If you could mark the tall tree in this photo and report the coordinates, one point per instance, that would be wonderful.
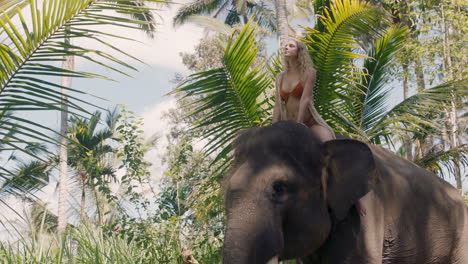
(282, 21)
(32, 50)
(234, 12)
(68, 65)
(436, 26)
(449, 68)
(234, 84)
(351, 108)
(89, 157)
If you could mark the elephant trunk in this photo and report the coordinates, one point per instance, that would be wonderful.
(252, 238)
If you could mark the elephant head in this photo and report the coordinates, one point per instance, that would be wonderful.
(285, 190)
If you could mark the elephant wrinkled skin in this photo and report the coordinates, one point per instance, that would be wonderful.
(291, 196)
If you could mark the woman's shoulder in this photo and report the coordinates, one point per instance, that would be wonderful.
(311, 73)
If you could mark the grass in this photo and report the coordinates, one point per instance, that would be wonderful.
(81, 245)
(148, 243)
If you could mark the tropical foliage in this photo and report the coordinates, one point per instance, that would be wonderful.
(353, 99)
(35, 44)
(233, 12)
(230, 93)
(84, 245)
(356, 48)
(92, 158)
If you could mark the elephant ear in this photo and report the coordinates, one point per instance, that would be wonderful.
(348, 173)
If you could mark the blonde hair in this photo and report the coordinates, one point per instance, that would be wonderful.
(303, 57)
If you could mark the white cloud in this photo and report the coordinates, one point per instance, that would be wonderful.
(155, 126)
(163, 50)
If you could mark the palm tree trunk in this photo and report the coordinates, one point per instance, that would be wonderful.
(419, 73)
(83, 198)
(406, 139)
(69, 64)
(101, 202)
(453, 122)
(282, 20)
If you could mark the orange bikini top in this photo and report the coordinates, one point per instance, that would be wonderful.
(297, 91)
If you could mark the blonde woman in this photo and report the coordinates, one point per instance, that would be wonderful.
(294, 88)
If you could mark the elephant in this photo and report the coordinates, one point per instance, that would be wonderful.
(290, 196)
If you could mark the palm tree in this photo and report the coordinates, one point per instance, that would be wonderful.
(352, 99)
(88, 158)
(270, 16)
(33, 48)
(69, 65)
(21, 177)
(26, 177)
(231, 114)
(229, 94)
(282, 20)
(237, 11)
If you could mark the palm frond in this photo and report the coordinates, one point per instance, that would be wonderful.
(413, 112)
(263, 15)
(370, 103)
(275, 65)
(10, 7)
(227, 96)
(435, 160)
(319, 7)
(303, 9)
(42, 219)
(84, 131)
(334, 51)
(210, 23)
(199, 7)
(36, 45)
(27, 176)
(112, 118)
(148, 24)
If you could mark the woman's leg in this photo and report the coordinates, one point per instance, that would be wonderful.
(321, 132)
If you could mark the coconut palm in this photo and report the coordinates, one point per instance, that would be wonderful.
(352, 99)
(230, 93)
(89, 158)
(26, 177)
(35, 43)
(32, 51)
(272, 16)
(227, 121)
(68, 64)
(234, 12)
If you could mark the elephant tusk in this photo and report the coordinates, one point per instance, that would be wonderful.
(273, 260)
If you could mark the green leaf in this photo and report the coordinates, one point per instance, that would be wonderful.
(227, 96)
(35, 42)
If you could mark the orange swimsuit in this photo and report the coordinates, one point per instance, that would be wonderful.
(296, 92)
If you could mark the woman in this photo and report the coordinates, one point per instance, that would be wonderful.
(294, 88)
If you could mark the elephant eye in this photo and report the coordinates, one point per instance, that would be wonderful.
(279, 187)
